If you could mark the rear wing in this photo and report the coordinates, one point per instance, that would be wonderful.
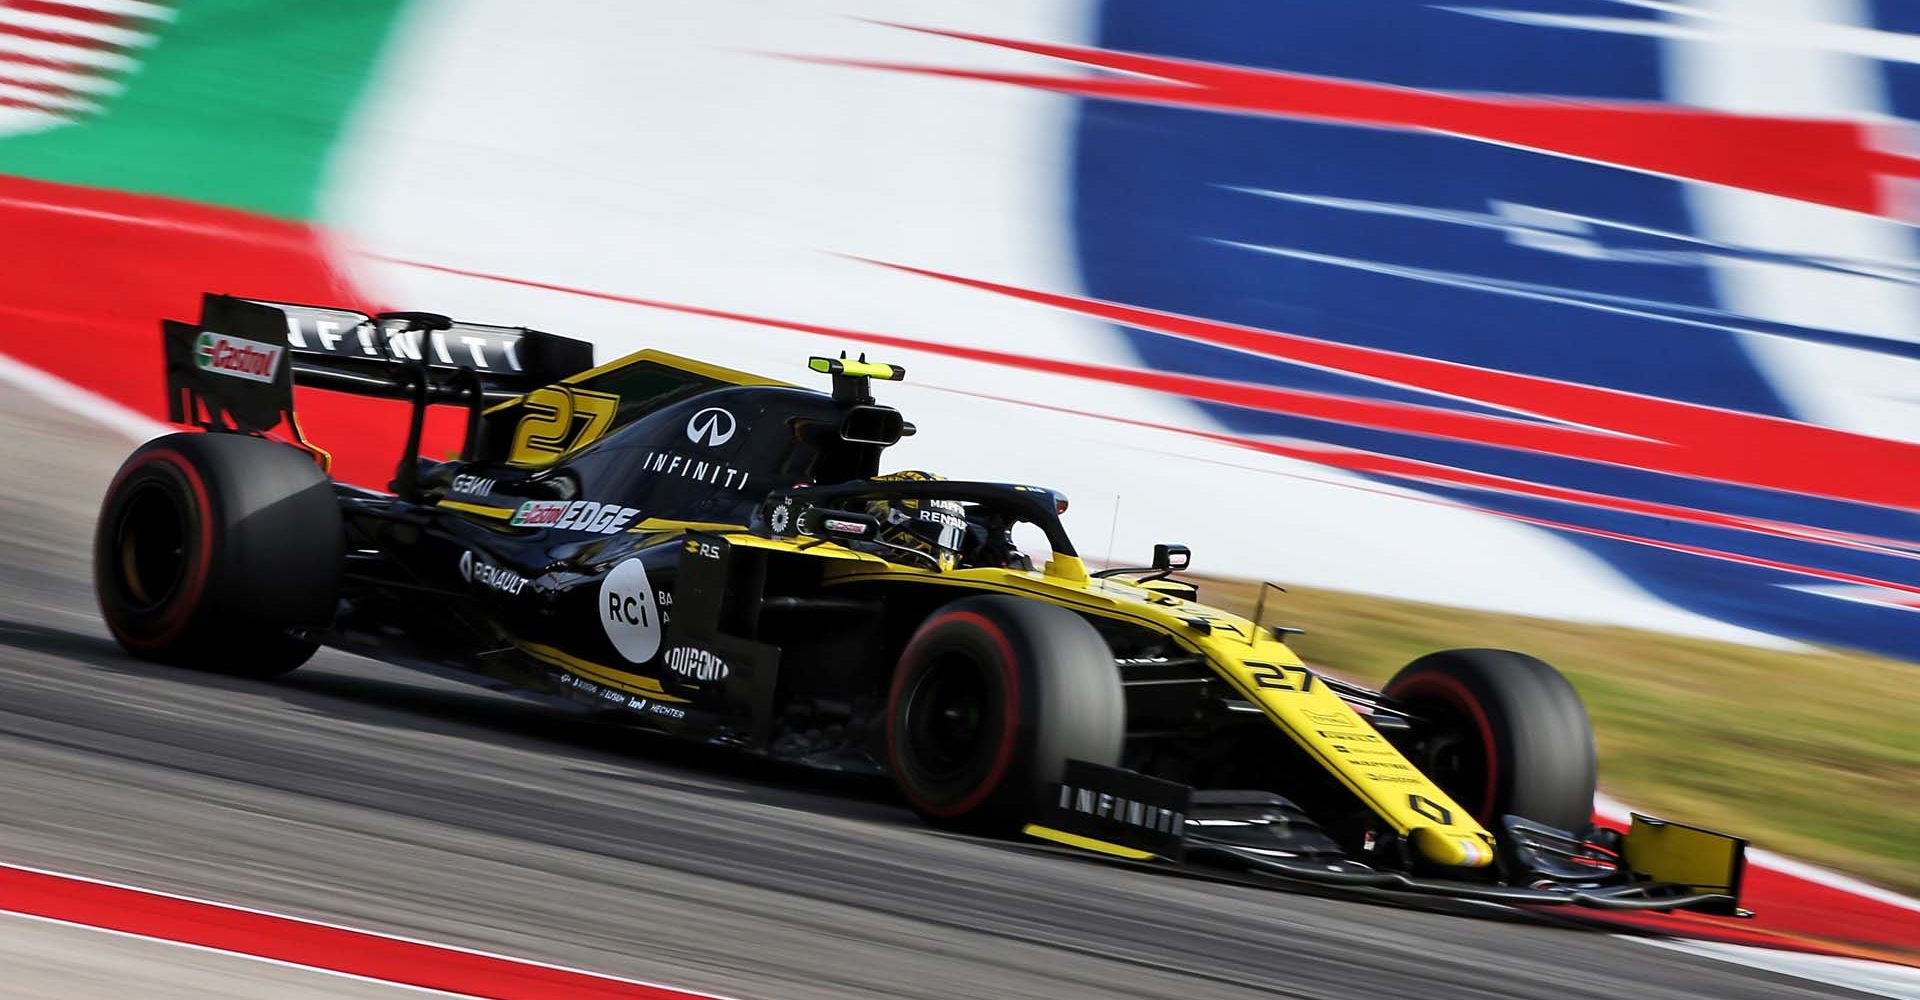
(235, 369)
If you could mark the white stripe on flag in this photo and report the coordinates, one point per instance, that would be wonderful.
(61, 52)
(126, 8)
(57, 102)
(14, 121)
(87, 83)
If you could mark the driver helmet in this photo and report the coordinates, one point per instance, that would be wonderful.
(936, 529)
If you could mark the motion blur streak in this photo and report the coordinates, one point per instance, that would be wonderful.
(1828, 162)
(1537, 394)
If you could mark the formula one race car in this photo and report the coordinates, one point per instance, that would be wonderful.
(717, 556)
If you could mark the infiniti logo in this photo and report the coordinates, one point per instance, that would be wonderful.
(712, 427)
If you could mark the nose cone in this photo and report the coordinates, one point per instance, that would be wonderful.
(1447, 847)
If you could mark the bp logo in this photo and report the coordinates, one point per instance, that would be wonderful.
(247, 359)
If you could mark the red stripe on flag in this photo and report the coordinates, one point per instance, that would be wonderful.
(62, 38)
(40, 85)
(66, 65)
(306, 943)
(70, 11)
(32, 105)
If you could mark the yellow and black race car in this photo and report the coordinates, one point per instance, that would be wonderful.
(718, 556)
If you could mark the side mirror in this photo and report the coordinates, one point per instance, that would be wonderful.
(837, 525)
(1171, 558)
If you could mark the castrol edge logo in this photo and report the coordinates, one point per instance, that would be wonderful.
(247, 359)
(574, 515)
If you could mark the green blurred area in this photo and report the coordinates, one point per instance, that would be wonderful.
(1814, 753)
(238, 103)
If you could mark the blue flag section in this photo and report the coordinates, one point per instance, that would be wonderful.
(1495, 188)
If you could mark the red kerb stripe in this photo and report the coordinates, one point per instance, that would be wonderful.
(305, 943)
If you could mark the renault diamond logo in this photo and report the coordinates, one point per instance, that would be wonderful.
(712, 427)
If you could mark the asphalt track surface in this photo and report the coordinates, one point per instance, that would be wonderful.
(359, 793)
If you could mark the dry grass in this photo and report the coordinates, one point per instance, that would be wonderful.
(1814, 754)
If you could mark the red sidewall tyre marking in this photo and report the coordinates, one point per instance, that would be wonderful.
(1009, 730)
(184, 607)
(1459, 696)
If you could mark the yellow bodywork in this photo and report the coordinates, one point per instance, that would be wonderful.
(1085, 843)
(1261, 668)
(559, 419)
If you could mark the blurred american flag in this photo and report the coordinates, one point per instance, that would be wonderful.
(61, 59)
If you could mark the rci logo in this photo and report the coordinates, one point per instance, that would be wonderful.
(712, 427)
(628, 612)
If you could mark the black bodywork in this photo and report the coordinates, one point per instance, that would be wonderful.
(592, 578)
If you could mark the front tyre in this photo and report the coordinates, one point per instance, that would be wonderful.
(210, 547)
(991, 698)
(1502, 733)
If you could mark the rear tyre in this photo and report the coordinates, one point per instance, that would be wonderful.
(991, 698)
(210, 547)
(1503, 734)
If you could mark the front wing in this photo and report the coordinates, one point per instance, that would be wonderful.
(1654, 865)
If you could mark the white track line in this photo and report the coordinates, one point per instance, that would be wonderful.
(1877, 978)
(587, 976)
(203, 949)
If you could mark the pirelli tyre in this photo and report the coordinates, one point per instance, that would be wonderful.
(990, 699)
(1503, 733)
(211, 547)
